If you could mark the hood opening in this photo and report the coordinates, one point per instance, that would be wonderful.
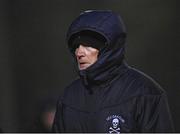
(88, 37)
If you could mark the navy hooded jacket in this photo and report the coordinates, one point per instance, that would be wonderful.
(110, 96)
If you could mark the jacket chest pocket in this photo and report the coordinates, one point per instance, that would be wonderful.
(115, 120)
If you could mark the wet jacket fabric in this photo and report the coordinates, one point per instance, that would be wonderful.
(110, 96)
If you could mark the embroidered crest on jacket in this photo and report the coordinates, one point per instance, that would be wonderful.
(116, 121)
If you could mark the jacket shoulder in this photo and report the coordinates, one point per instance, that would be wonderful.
(74, 83)
(143, 83)
(73, 86)
(73, 92)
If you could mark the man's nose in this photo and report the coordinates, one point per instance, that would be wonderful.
(80, 50)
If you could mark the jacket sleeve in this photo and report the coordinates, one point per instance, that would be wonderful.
(154, 114)
(58, 125)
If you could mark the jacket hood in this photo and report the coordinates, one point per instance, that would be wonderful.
(109, 25)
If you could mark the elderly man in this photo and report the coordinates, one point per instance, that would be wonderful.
(109, 96)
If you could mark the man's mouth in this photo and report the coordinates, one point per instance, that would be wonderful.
(83, 65)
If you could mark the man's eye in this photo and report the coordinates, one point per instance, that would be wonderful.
(89, 48)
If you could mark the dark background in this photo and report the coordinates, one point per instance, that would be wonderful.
(35, 62)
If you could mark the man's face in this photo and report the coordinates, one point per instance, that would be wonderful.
(86, 56)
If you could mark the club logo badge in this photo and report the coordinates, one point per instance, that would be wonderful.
(116, 121)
